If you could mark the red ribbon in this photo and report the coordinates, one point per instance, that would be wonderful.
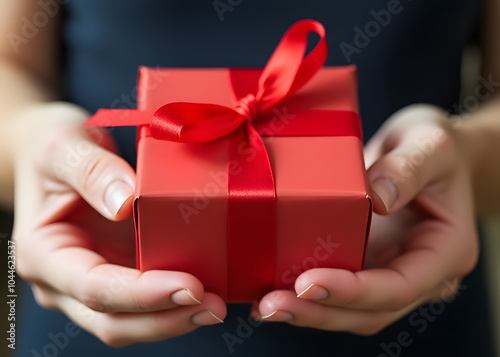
(251, 194)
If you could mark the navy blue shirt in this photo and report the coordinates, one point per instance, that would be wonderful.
(406, 52)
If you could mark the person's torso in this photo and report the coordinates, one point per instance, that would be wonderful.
(406, 51)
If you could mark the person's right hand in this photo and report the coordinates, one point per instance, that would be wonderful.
(75, 238)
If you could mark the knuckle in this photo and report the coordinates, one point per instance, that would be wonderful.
(101, 137)
(24, 270)
(444, 137)
(92, 298)
(90, 172)
(109, 335)
(468, 265)
(49, 147)
(115, 341)
(371, 329)
(399, 302)
(43, 299)
(405, 170)
(24, 264)
(374, 325)
(140, 303)
(449, 292)
(447, 145)
(470, 257)
(411, 168)
(67, 111)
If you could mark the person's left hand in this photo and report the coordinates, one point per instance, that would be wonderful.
(74, 235)
(423, 238)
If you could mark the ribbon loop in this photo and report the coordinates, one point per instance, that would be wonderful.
(287, 70)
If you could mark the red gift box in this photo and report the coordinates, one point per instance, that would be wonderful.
(265, 181)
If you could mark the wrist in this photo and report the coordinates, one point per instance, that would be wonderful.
(466, 140)
(34, 122)
(478, 138)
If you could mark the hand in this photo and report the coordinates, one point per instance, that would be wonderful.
(423, 238)
(75, 237)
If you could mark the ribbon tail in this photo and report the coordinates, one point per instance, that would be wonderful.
(120, 117)
(251, 251)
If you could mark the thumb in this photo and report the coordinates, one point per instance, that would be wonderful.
(399, 175)
(102, 178)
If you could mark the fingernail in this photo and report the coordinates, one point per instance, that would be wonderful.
(116, 194)
(277, 315)
(314, 292)
(205, 318)
(386, 190)
(184, 297)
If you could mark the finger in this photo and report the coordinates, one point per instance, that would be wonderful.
(122, 329)
(89, 278)
(112, 288)
(101, 177)
(416, 152)
(379, 144)
(285, 306)
(405, 280)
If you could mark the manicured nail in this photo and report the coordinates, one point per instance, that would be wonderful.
(116, 194)
(314, 292)
(205, 318)
(277, 315)
(184, 297)
(386, 190)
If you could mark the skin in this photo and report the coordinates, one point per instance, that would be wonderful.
(74, 236)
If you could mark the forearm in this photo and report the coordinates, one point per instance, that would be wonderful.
(28, 75)
(479, 136)
(19, 90)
